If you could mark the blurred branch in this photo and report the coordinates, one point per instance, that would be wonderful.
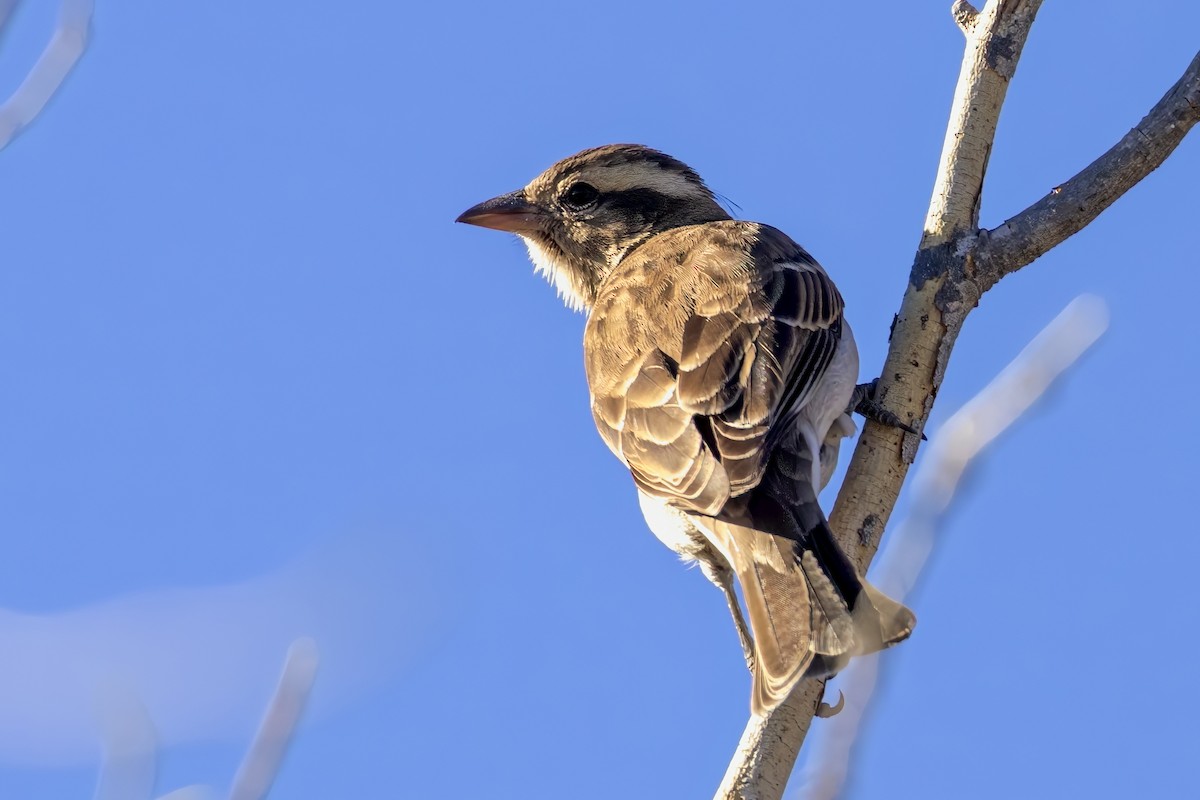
(128, 771)
(279, 724)
(7, 7)
(66, 45)
(954, 265)
(959, 442)
(130, 742)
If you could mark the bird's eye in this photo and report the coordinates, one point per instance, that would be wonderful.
(579, 196)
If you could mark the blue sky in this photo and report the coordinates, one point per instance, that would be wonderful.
(258, 385)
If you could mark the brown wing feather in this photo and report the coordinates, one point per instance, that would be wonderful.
(701, 343)
(703, 346)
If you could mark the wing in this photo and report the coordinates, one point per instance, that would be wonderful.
(703, 345)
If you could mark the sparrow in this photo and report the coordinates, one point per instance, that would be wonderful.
(722, 373)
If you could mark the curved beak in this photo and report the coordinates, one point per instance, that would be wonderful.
(509, 212)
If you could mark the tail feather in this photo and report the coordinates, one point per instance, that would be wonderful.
(795, 611)
(809, 610)
(896, 620)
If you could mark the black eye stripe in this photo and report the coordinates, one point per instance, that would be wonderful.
(647, 203)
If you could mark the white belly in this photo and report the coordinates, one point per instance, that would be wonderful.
(824, 421)
(672, 527)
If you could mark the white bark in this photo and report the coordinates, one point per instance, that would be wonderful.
(954, 265)
(960, 441)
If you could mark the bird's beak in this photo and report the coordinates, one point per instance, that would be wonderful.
(510, 212)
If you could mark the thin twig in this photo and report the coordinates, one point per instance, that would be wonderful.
(130, 742)
(279, 724)
(128, 771)
(951, 451)
(66, 45)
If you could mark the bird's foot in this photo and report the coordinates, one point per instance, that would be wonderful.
(722, 578)
(863, 402)
(748, 651)
(825, 711)
(743, 631)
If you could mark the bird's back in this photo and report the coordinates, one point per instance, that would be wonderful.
(702, 348)
(717, 359)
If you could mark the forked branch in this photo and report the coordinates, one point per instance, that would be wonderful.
(1066, 209)
(954, 265)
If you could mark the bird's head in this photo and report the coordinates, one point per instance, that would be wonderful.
(583, 215)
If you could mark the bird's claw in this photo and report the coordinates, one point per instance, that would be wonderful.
(825, 711)
(747, 647)
(863, 402)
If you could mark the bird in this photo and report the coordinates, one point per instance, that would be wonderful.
(722, 373)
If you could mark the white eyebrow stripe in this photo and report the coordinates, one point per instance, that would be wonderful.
(624, 177)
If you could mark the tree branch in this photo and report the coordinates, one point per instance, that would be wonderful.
(921, 342)
(763, 761)
(279, 724)
(128, 771)
(939, 295)
(954, 265)
(957, 443)
(1069, 207)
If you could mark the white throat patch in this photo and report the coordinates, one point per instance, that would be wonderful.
(557, 274)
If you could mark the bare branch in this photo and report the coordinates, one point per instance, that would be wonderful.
(937, 299)
(961, 439)
(130, 742)
(954, 265)
(995, 38)
(128, 771)
(921, 344)
(279, 724)
(965, 15)
(763, 761)
(60, 56)
(1069, 207)
(196, 792)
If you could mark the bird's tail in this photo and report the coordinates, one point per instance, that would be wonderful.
(809, 609)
